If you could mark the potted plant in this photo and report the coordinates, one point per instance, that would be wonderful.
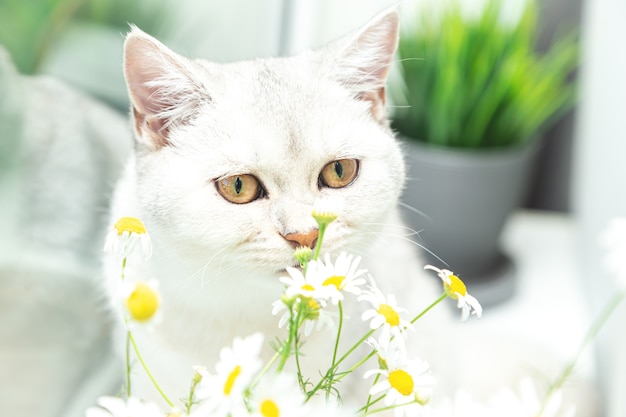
(475, 97)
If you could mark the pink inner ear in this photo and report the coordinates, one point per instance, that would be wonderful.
(367, 60)
(151, 128)
(156, 82)
(378, 102)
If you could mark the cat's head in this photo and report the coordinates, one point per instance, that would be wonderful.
(231, 157)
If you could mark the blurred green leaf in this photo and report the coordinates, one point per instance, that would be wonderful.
(29, 28)
(479, 82)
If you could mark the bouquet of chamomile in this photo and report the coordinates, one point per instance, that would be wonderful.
(241, 385)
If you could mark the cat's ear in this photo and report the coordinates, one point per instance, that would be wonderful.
(364, 60)
(163, 89)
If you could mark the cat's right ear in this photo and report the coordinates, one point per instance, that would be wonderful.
(363, 60)
(163, 90)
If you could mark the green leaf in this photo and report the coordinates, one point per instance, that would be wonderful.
(479, 81)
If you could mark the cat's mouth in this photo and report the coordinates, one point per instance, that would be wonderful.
(294, 266)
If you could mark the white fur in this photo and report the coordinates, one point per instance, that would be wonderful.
(281, 120)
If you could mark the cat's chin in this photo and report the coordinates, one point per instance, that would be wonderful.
(294, 266)
(283, 271)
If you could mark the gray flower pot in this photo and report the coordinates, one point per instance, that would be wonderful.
(464, 198)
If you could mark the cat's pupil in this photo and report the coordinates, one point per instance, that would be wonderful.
(339, 169)
(238, 185)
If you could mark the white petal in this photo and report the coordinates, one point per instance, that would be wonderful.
(380, 387)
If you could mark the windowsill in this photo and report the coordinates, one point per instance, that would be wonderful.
(539, 329)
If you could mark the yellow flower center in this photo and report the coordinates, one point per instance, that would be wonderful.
(389, 314)
(269, 409)
(336, 280)
(456, 286)
(131, 225)
(312, 304)
(324, 216)
(142, 303)
(401, 381)
(230, 381)
(308, 287)
(311, 309)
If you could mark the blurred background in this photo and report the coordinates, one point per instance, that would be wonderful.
(79, 41)
(579, 176)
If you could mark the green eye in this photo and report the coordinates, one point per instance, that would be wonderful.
(340, 173)
(240, 189)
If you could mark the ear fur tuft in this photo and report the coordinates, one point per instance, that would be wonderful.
(365, 59)
(163, 89)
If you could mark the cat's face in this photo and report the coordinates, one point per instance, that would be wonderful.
(232, 157)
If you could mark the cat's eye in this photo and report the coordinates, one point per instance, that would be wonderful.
(339, 173)
(240, 189)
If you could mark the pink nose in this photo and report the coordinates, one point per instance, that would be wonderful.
(308, 239)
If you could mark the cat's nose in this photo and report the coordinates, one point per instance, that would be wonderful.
(297, 240)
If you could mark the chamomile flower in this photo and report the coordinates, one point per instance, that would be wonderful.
(309, 286)
(303, 255)
(123, 238)
(141, 300)
(385, 314)
(325, 210)
(386, 348)
(117, 407)
(313, 313)
(223, 391)
(405, 383)
(278, 395)
(455, 289)
(343, 274)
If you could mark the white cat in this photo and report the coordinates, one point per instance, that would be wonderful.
(229, 160)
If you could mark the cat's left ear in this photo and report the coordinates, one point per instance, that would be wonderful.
(365, 60)
(163, 87)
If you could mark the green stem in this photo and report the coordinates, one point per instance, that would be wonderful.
(123, 268)
(389, 407)
(192, 390)
(294, 324)
(368, 334)
(264, 370)
(354, 347)
(297, 357)
(591, 334)
(330, 372)
(369, 402)
(339, 327)
(128, 364)
(430, 307)
(358, 364)
(320, 239)
(145, 367)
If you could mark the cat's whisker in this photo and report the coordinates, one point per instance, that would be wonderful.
(414, 210)
(398, 106)
(404, 237)
(223, 269)
(409, 231)
(397, 61)
(200, 273)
